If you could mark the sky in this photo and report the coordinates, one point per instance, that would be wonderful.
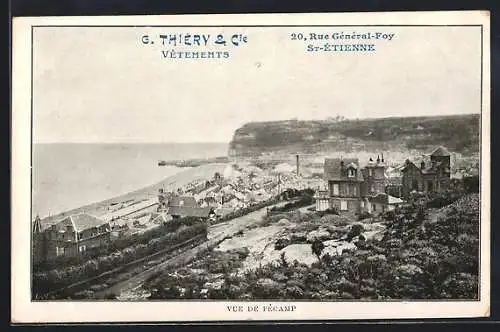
(103, 85)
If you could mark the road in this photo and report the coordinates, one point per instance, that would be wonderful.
(216, 234)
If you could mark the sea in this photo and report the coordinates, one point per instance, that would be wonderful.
(70, 175)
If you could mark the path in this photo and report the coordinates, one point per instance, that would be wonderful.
(305, 208)
(216, 234)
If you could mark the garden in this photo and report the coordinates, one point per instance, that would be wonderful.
(416, 257)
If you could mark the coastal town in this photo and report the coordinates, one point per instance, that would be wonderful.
(349, 190)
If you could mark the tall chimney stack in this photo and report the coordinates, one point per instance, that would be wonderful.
(298, 164)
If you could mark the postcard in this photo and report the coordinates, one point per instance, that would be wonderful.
(271, 167)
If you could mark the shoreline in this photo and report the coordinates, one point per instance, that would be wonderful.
(170, 183)
(193, 162)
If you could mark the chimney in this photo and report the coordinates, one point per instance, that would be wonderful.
(382, 157)
(297, 157)
(422, 164)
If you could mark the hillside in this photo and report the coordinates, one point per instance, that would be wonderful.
(460, 133)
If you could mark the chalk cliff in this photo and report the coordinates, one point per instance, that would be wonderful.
(459, 133)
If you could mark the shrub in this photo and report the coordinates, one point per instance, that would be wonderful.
(355, 230)
(317, 247)
(364, 215)
(282, 243)
(471, 184)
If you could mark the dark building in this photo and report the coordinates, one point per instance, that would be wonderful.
(355, 190)
(344, 180)
(183, 206)
(70, 237)
(429, 177)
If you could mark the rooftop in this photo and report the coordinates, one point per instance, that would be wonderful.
(440, 151)
(85, 221)
(333, 169)
(189, 211)
(187, 201)
(385, 199)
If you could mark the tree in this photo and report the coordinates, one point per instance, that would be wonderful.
(317, 247)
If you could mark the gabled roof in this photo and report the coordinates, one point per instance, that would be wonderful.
(440, 151)
(332, 169)
(85, 221)
(352, 165)
(182, 201)
(37, 225)
(409, 164)
(385, 199)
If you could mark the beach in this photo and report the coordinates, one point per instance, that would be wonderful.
(179, 180)
(70, 178)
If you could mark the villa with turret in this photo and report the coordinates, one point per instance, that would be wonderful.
(355, 190)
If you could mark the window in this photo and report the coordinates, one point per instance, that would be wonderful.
(336, 189)
(82, 248)
(351, 172)
(59, 251)
(370, 172)
(354, 190)
(343, 205)
(374, 207)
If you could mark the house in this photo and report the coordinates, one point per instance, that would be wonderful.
(70, 237)
(344, 179)
(433, 176)
(119, 229)
(183, 206)
(382, 202)
(351, 189)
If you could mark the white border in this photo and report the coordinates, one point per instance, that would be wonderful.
(25, 311)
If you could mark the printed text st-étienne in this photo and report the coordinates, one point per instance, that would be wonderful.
(195, 46)
(342, 41)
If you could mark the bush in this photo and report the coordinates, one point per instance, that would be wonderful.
(282, 243)
(329, 211)
(364, 215)
(355, 230)
(317, 247)
(389, 215)
(471, 184)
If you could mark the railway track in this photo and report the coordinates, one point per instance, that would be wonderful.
(126, 269)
